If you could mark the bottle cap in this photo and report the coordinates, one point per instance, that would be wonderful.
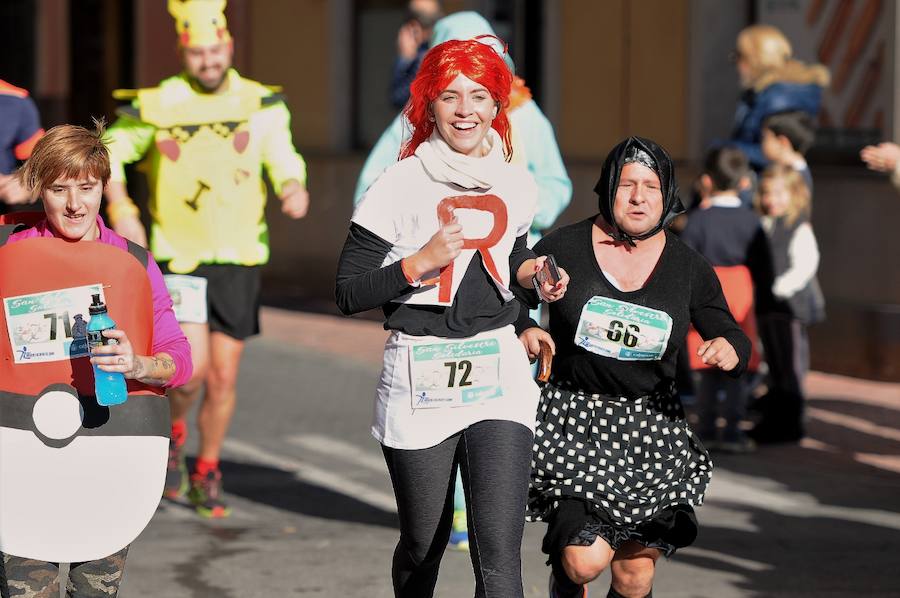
(97, 307)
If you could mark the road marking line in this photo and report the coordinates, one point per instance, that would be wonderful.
(888, 462)
(176, 512)
(737, 561)
(185, 512)
(313, 475)
(761, 493)
(880, 461)
(342, 450)
(854, 423)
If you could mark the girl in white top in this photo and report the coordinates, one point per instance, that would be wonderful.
(435, 243)
(795, 301)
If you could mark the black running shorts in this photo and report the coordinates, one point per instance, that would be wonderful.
(232, 297)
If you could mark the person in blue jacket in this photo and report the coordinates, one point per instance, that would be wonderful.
(534, 142)
(773, 82)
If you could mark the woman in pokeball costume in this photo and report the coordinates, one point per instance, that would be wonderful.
(616, 468)
(434, 243)
(79, 481)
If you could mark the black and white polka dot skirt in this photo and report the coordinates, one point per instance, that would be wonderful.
(632, 464)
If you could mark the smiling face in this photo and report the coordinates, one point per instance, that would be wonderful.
(71, 205)
(463, 113)
(208, 65)
(639, 201)
(774, 196)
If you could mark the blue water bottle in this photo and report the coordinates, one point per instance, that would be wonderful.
(108, 386)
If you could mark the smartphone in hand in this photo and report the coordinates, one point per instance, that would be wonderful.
(549, 273)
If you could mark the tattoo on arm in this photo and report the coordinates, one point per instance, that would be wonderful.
(137, 372)
(161, 370)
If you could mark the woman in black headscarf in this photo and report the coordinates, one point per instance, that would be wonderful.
(616, 468)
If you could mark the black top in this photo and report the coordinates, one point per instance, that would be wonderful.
(807, 304)
(683, 285)
(362, 284)
(731, 237)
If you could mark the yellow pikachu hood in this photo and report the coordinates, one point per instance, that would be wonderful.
(199, 22)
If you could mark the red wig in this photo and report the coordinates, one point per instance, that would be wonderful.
(441, 65)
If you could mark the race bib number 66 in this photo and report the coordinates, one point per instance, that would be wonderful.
(623, 330)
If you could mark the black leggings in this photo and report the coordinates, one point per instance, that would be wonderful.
(494, 458)
(786, 346)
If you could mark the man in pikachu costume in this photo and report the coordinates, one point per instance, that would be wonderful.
(205, 136)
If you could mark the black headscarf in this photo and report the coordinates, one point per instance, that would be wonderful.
(609, 182)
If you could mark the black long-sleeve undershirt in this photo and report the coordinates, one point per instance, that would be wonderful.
(363, 284)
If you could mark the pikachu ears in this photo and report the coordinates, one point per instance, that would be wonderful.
(199, 22)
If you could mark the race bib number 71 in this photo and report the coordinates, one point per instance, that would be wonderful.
(455, 374)
(50, 326)
(623, 330)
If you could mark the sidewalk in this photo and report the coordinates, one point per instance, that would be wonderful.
(363, 340)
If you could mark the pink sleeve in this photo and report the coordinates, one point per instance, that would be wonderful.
(167, 334)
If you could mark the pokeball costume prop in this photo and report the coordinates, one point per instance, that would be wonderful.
(78, 482)
(80, 475)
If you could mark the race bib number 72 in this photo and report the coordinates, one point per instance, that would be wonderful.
(455, 374)
(623, 330)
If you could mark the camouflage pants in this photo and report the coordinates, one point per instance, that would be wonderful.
(27, 578)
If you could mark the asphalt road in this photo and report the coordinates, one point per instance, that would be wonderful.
(314, 511)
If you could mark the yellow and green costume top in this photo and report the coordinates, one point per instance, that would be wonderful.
(205, 155)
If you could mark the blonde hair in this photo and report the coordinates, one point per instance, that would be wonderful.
(800, 199)
(67, 151)
(764, 47)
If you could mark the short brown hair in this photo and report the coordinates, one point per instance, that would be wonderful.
(726, 167)
(797, 126)
(67, 151)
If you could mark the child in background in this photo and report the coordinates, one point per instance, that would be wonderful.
(786, 137)
(731, 238)
(795, 301)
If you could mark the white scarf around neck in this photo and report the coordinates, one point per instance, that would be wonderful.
(446, 165)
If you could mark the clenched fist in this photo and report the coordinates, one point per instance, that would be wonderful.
(441, 250)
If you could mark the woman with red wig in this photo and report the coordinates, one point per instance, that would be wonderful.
(434, 243)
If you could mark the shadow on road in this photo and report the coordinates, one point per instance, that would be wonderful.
(804, 521)
(282, 490)
(778, 555)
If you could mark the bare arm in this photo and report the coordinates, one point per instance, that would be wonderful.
(294, 199)
(548, 292)
(155, 370)
(124, 216)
